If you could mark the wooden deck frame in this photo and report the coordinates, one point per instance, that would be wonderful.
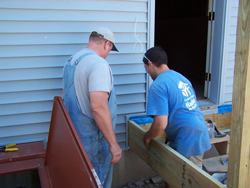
(178, 171)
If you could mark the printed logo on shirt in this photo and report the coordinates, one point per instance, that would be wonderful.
(189, 100)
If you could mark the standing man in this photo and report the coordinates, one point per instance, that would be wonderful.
(172, 103)
(90, 100)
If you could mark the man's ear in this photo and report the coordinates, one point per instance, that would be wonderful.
(106, 45)
(150, 63)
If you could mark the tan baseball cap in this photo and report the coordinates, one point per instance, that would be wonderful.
(108, 35)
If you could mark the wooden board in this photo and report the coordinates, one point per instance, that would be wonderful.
(239, 161)
(178, 171)
(221, 144)
(67, 163)
(25, 151)
(30, 156)
(213, 164)
(161, 137)
(222, 121)
(208, 108)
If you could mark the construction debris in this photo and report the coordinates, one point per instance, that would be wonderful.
(154, 182)
(139, 183)
(224, 161)
(157, 180)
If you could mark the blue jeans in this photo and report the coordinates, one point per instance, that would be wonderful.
(97, 147)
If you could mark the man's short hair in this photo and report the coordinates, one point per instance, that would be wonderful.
(94, 36)
(103, 33)
(156, 55)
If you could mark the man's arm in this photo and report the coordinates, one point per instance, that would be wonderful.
(102, 116)
(157, 127)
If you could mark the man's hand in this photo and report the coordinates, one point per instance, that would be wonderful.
(102, 116)
(157, 127)
(116, 153)
(146, 140)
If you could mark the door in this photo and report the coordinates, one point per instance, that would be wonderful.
(216, 52)
(189, 35)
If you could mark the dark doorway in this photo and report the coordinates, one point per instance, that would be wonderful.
(25, 179)
(181, 29)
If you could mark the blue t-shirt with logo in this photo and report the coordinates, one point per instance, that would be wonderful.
(173, 95)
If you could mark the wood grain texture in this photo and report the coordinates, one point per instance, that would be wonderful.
(161, 137)
(239, 153)
(222, 121)
(208, 108)
(178, 171)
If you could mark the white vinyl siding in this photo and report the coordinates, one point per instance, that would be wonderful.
(36, 39)
(229, 52)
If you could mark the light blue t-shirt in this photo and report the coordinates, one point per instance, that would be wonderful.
(92, 73)
(173, 95)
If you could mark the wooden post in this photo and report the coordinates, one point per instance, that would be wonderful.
(239, 152)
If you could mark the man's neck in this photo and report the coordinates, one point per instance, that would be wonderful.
(95, 48)
(163, 68)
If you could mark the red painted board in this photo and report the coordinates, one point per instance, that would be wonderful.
(25, 151)
(19, 166)
(66, 160)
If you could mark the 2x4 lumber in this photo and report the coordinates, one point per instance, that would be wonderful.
(178, 171)
(239, 152)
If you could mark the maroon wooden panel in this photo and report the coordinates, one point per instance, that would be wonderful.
(19, 166)
(66, 161)
(44, 178)
(25, 151)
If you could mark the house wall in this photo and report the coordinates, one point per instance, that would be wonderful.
(36, 39)
(229, 51)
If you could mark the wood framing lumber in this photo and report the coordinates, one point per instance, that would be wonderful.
(221, 144)
(222, 121)
(177, 170)
(239, 152)
(208, 108)
(161, 137)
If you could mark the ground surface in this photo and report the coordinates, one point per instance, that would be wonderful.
(154, 182)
